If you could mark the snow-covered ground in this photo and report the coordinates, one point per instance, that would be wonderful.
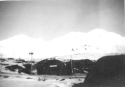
(13, 79)
(34, 81)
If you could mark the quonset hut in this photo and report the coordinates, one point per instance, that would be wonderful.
(108, 71)
(83, 65)
(79, 66)
(57, 67)
(51, 67)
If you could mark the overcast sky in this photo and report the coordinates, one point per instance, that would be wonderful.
(48, 19)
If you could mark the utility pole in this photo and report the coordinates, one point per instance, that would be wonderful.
(71, 61)
(71, 64)
(1, 62)
(1, 55)
(31, 53)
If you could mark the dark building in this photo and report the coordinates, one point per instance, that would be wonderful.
(82, 66)
(56, 67)
(108, 71)
(51, 67)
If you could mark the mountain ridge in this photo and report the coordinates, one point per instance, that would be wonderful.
(95, 41)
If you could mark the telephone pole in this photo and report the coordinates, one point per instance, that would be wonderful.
(71, 64)
(31, 53)
(1, 62)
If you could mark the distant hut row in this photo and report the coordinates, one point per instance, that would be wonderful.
(52, 67)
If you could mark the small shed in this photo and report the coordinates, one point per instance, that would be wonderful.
(10, 59)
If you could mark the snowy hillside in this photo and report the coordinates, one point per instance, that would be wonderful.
(96, 41)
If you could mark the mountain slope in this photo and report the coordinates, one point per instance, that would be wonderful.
(96, 41)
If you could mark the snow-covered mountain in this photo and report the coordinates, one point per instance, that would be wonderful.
(20, 46)
(95, 41)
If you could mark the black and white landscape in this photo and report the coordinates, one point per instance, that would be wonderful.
(62, 43)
